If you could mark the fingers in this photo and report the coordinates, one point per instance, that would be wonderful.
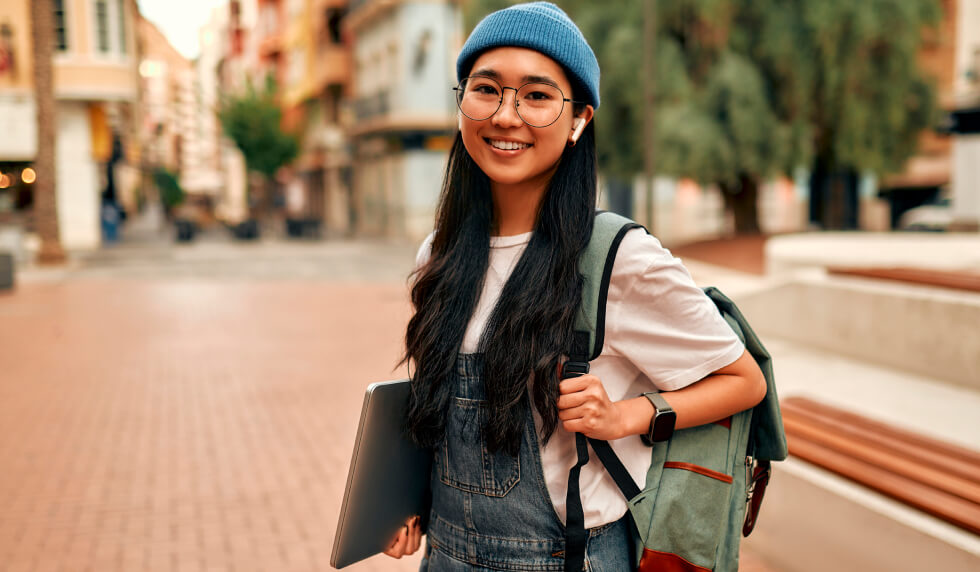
(397, 547)
(587, 409)
(415, 537)
(575, 384)
(574, 426)
(408, 539)
(571, 400)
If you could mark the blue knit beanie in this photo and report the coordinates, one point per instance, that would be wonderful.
(543, 27)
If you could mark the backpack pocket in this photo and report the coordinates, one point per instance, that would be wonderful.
(465, 462)
(683, 520)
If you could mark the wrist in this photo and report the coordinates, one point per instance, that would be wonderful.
(634, 415)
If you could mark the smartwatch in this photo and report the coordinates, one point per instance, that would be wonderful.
(663, 421)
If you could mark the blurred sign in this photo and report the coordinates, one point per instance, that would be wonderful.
(17, 115)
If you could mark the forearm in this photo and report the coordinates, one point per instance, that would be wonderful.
(717, 396)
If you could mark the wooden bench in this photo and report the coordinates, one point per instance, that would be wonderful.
(933, 476)
(957, 280)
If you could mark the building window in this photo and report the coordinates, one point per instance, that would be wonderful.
(334, 18)
(102, 25)
(121, 19)
(60, 28)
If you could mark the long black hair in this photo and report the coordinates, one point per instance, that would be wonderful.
(531, 325)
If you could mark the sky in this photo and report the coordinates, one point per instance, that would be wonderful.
(179, 20)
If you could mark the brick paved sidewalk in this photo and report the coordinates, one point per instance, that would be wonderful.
(189, 425)
(184, 426)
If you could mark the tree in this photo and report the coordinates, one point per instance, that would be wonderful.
(45, 198)
(168, 185)
(870, 100)
(253, 121)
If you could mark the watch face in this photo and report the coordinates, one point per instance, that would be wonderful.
(663, 426)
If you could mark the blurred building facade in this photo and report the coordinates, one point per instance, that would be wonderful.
(965, 187)
(404, 112)
(316, 79)
(229, 56)
(97, 91)
(169, 130)
(18, 145)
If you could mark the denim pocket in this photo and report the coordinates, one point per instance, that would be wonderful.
(465, 463)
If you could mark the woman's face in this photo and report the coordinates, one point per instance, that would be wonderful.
(539, 148)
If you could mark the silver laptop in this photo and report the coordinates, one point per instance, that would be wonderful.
(388, 481)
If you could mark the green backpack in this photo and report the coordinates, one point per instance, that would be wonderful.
(705, 484)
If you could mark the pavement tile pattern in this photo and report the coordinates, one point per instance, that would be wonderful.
(186, 425)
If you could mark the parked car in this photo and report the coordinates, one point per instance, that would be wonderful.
(935, 216)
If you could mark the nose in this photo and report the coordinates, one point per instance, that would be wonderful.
(506, 115)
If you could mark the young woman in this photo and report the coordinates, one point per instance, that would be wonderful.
(495, 293)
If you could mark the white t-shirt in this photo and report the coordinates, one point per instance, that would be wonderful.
(661, 333)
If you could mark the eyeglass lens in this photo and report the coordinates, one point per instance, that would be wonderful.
(538, 104)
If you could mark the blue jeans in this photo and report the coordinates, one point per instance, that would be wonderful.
(492, 511)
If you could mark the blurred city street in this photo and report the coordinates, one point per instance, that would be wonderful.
(201, 409)
(210, 210)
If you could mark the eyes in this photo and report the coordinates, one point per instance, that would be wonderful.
(530, 92)
(538, 104)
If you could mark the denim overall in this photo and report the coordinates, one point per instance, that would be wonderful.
(492, 511)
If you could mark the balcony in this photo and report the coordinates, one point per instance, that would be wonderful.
(332, 67)
(270, 46)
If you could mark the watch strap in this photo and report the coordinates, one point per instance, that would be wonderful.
(659, 403)
(662, 422)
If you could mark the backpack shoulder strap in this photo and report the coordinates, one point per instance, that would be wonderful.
(595, 266)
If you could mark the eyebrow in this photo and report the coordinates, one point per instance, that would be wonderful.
(494, 74)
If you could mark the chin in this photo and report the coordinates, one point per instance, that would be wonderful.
(506, 176)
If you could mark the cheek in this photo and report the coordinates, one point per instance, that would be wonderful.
(469, 133)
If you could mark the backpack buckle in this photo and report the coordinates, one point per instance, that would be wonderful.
(574, 369)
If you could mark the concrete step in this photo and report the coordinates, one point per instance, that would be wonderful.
(942, 251)
(923, 329)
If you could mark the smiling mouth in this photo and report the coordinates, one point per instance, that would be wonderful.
(506, 145)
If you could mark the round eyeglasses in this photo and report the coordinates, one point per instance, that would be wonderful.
(537, 104)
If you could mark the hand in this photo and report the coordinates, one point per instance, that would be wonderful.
(584, 407)
(407, 541)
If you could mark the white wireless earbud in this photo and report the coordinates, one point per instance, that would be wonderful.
(579, 125)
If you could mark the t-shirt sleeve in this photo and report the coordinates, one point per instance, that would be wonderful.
(660, 320)
(425, 251)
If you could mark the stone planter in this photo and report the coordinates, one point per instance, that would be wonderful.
(246, 230)
(186, 229)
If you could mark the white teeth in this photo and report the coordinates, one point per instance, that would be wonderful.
(508, 145)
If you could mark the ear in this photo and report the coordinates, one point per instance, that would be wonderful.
(579, 123)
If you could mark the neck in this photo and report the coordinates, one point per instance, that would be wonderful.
(515, 206)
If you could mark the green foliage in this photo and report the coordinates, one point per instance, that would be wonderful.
(167, 183)
(253, 121)
(869, 100)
